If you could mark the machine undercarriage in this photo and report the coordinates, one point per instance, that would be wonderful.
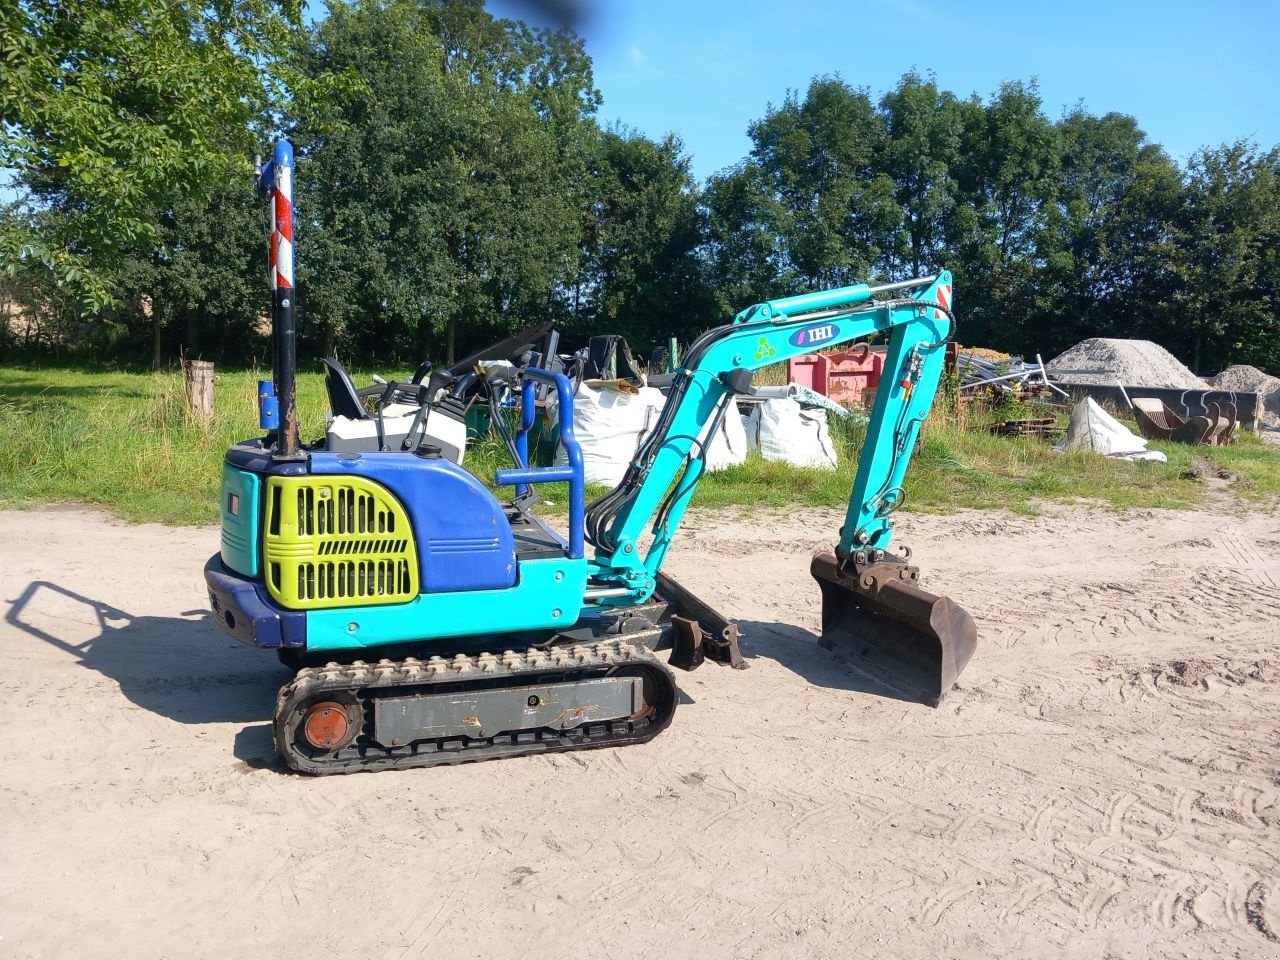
(419, 713)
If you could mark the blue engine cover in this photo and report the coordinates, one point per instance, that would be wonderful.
(463, 537)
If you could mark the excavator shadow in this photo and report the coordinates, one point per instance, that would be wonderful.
(797, 649)
(254, 745)
(182, 668)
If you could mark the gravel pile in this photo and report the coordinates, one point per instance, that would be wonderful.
(1249, 379)
(1133, 363)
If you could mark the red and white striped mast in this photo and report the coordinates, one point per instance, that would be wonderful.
(277, 179)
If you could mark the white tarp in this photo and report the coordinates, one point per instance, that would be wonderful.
(1092, 428)
(783, 430)
(609, 422)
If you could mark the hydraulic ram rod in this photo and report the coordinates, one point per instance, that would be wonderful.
(826, 299)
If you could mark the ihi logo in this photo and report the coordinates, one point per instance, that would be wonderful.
(812, 336)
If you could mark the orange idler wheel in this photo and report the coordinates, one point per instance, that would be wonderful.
(326, 725)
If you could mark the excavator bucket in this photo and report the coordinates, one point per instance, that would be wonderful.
(876, 617)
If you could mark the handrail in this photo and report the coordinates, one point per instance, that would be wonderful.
(574, 472)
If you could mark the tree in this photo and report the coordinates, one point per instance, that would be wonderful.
(445, 182)
(1000, 232)
(207, 282)
(1228, 226)
(925, 127)
(818, 158)
(747, 258)
(115, 113)
(642, 272)
(1108, 237)
(811, 206)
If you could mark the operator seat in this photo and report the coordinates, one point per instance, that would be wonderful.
(344, 401)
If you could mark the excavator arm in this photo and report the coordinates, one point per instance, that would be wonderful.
(869, 595)
(653, 495)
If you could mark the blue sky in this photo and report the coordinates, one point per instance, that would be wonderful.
(1194, 74)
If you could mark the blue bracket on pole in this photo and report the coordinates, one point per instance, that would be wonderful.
(268, 406)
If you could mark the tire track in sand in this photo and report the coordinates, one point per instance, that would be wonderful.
(1243, 552)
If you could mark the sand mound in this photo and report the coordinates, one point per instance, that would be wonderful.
(1135, 363)
(1249, 379)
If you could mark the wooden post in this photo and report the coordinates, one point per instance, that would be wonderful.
(200, 388)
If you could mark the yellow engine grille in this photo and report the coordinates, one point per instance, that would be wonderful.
(337, 542)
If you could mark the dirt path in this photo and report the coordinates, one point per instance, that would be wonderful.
(1106, 782)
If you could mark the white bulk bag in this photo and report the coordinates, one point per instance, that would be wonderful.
(783, 430)
(609, 424)
(1092, 428)
(728, 446)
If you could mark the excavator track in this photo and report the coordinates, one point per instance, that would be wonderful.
(349, 718)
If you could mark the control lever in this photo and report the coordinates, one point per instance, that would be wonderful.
(462, 384)
(428, 396)
(388, 394)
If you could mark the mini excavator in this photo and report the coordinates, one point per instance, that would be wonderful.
(429, 622)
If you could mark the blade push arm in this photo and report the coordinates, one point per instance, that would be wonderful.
(662, 478)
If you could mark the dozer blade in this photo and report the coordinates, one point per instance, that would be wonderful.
(877, 618)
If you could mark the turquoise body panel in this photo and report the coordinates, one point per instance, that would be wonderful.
(241, 525)
(548, 595)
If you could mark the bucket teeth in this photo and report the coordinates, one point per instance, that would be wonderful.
(875, 617)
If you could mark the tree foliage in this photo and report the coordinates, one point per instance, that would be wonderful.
(1225, 259)
(114, 113)
(641, 272)
(1055, 231)
(445, 182)
(453, 185)
(202, 286)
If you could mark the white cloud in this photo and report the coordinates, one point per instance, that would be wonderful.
(637, 55)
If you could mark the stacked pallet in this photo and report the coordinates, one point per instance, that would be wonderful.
(1045, 428)
(991, 396)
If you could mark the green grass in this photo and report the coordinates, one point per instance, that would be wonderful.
(1254, 461)
(961, 464)
(125, 441)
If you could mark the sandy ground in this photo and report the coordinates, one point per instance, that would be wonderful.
(1105, 782)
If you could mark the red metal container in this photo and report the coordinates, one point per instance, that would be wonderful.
(850, 375)
(811, 370)
(844, 377)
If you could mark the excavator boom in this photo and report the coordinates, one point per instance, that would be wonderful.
(874, 613)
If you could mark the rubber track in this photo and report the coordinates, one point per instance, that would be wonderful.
(411, 676)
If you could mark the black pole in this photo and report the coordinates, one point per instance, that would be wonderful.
(286, 364)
